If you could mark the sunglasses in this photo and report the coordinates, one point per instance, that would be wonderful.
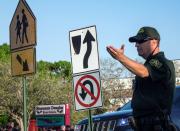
(144, 40)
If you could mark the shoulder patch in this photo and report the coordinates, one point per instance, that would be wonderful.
(155, 63)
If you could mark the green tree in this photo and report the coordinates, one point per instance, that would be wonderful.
(10, 102)
(41, 89)
(50, 85)
(4, 119)
(61, 68)
(4, 53)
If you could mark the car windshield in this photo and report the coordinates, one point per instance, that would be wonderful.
(127, 106)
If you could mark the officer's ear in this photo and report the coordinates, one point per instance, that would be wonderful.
(156, 42)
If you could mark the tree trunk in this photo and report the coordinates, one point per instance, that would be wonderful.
(19, 120)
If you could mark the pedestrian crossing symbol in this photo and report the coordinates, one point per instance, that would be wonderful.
(22, 27)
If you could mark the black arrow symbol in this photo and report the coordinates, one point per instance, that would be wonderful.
(23, 63)
(83, 93)
(88, 38)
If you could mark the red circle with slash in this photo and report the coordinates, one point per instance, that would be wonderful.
(79, 84)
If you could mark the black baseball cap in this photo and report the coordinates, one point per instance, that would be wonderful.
(145, 33)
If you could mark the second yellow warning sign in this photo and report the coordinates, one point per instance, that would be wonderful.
(23, 62)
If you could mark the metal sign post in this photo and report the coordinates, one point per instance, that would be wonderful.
(24, 104)
(90, 120)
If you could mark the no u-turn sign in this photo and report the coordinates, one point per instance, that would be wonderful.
(87, 91)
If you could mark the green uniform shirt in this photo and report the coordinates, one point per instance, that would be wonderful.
(155, 92)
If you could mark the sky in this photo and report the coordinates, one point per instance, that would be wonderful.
(115, 21)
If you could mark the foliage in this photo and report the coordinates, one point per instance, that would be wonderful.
(4, 119)
(113, 92)
(59, 69)
(110, 69)
(10, 90)
(43, 66)
(50, 85)
(4, 52)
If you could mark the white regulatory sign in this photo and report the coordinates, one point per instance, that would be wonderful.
(84, 49)
(87, 91)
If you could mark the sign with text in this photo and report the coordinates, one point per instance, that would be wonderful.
(49, 110)
(87, 91)
(23, 62)
(84, 49)
(22, 27)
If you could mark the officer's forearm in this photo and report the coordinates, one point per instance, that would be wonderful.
(133, 66)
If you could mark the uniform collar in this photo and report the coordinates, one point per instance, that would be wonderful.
(160, 54)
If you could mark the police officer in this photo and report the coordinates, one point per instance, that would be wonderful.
(154, 81)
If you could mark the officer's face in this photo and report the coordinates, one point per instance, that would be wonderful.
(144, 48)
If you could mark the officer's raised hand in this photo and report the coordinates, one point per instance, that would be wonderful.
(116, 53)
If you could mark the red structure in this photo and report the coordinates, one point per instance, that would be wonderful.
(67, 115)
(32, 126)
